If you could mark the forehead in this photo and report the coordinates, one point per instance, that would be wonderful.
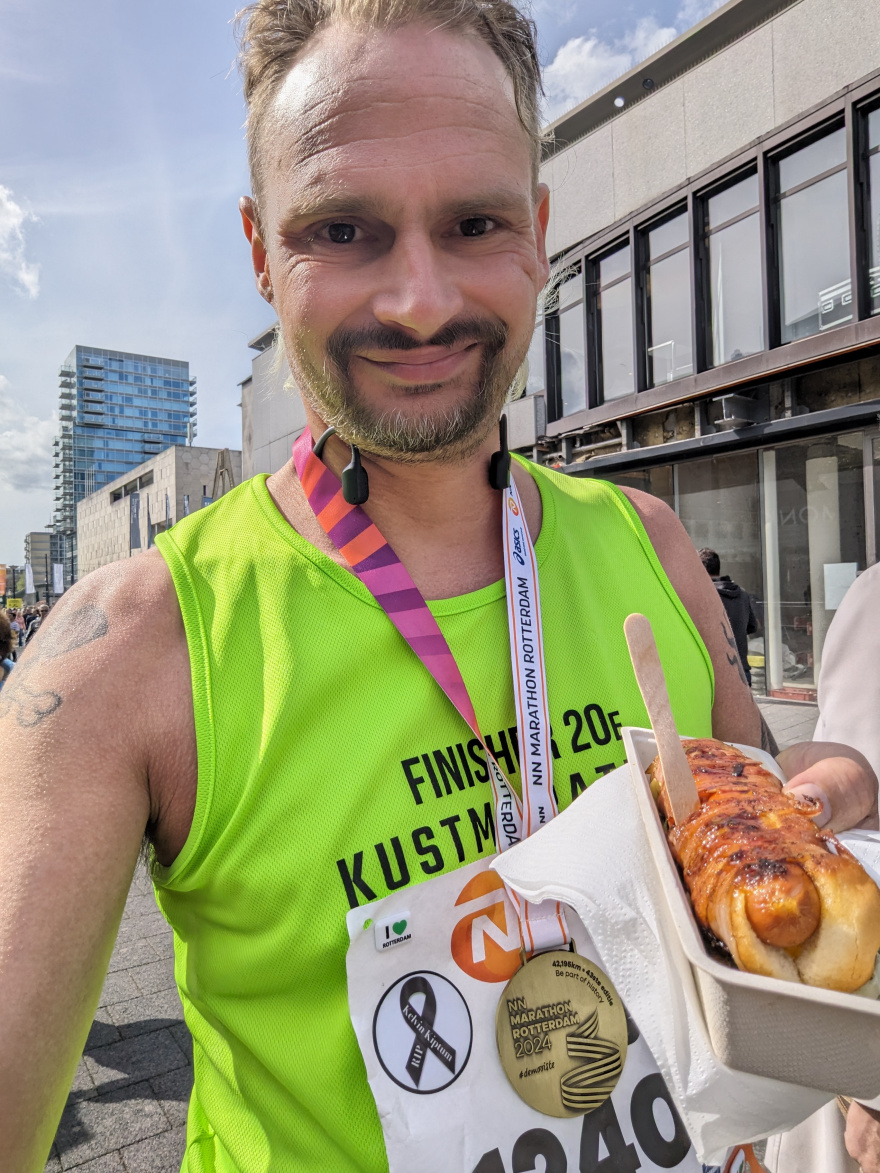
(360, 108)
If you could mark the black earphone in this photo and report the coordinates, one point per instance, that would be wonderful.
(356, 483)
(499, 465)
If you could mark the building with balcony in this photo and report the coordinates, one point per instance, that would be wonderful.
(116, 410)
(711, 330)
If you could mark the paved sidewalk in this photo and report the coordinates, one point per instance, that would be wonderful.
(127, 1108)
(789, 722)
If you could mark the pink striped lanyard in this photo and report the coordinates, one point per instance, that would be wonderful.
(370, 557)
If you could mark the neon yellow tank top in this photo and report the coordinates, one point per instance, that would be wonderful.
(332, 770)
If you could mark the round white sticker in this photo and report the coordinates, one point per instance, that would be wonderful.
(422, 1032)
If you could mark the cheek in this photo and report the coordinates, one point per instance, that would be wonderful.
(509, 289)
(310, 300)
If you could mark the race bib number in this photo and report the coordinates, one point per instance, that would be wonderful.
(426, 970)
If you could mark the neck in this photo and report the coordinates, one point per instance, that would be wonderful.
(442, 519)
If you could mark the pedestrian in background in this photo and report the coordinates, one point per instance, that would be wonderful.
(41, 612)
(737, 604)
(17, 629)
(6, 662)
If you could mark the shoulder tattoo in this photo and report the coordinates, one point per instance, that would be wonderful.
(32, 705)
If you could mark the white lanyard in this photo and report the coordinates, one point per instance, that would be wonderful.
(543, 925)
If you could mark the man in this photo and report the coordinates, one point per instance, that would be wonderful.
(397, 228)
(737, 604)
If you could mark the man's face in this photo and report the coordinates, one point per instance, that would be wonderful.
(402, 240)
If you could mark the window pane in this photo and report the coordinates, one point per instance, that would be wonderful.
(733, 201)
(821, 525)
(537, 380)
(873, 130)
(735, 294)
(614, 265)
(670, 353)
(719, 503)
(571, 289)
(670, 235)
(820, 156)
(616, 319)
(572, 367)
(814, 270)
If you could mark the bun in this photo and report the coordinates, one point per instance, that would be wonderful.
(785, 898)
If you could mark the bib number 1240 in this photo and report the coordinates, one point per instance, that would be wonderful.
(603, 1123)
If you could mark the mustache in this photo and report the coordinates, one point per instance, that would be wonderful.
(345, 341)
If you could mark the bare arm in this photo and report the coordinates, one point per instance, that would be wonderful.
(841, 777)
(77, 726)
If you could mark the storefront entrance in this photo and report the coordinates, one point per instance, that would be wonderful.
(793, 526)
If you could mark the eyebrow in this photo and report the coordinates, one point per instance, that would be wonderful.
(314, 205)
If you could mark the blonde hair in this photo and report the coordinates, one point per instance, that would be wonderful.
(272, 33)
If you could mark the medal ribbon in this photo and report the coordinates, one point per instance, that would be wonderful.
(373, 561)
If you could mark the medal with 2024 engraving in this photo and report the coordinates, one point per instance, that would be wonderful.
(561, 1033)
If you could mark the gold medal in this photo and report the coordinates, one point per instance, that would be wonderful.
(561, 1033)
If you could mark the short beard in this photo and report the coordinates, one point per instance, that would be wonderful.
(449, 435)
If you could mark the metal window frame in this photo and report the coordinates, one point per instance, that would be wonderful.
(595, 289)
(860, 199)
(817, 129)
(646, 261)
(703, 234)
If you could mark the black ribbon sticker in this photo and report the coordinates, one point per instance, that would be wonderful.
(422, 1026)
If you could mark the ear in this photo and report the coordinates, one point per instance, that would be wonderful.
(259, 258)
(542, 219)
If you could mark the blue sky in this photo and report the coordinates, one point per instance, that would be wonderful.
(121, 161)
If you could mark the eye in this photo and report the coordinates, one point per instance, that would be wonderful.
(341, 233)
(476, 226)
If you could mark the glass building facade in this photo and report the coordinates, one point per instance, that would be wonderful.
(794, 524)
(116, 410)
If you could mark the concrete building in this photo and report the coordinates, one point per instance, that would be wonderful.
(116, 409)
(271, 416)
(711, 333)
(165, 488)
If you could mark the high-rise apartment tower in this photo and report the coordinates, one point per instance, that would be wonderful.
(116, 410)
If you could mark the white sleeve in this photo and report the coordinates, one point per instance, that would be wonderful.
(849, 679)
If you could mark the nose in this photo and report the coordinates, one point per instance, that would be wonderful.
(419, 292)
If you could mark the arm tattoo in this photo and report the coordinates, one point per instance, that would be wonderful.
(768, 741)
(733, 656)
(32, 705)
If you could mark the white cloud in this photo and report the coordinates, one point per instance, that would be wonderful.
(584, 65)
(12, 259)
(693, 11)
(26, 448)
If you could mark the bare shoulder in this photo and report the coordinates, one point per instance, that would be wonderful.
(109, 620)
(677, 555)
(106, 680)
(734, 715)
(661, 523)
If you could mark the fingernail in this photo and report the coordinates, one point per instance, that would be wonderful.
(810, 790)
